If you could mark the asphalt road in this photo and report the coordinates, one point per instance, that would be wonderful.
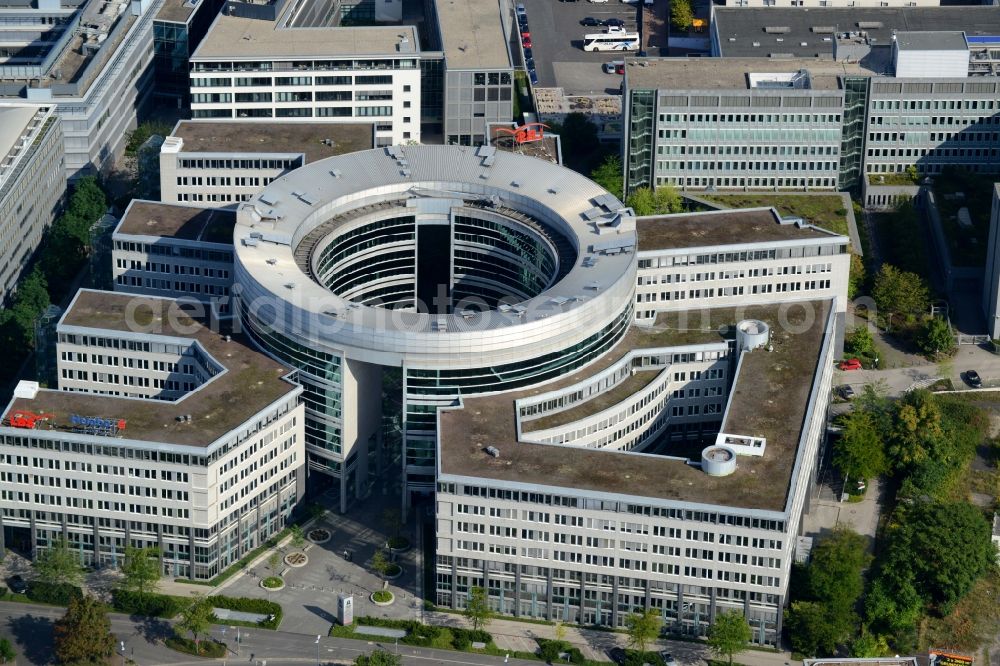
(30, 627)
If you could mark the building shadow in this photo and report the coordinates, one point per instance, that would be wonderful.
(33, 636)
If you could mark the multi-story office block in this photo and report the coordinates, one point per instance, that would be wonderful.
(218, 163)
(32, 183)
(918, 100)
(535, 505)
(253, 68)
(90, 60)
(729, 258)
(175, 251)
(163, 433)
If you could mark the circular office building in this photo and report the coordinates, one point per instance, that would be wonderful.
(399, 280)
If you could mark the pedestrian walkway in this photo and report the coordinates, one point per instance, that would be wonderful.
(514, 635)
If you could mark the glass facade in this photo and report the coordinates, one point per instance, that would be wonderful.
(852, 151)
(170, 57)
(639, 151)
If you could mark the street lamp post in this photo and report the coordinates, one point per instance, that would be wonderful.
(317, 649)
(122, 643)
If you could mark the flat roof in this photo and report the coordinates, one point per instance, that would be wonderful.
(244, 136)
(237, 37)
(155, 218)
(931, 41)
(472, 34)
(725, 227)
(14, 119)
(251, 382)
(782, 379)
(731, 73)
(176, 10)
(738, 27)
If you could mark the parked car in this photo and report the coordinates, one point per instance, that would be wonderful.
(845, 391)
(591, 22)
(528, 55)
(526, 42)
(615, 23)
(597, 1)
(533, 77)
(668, 659)
(529, 64)
(525, 33)
(17, 585)
(520, 9)
(523, 25)
(614, 67)
(973, 379)
(850, 364)
(617, 655)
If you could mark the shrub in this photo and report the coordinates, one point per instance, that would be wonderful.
(382, 596)
(260, 606)
(58, 594)
(462, 639)
(149, 604)
(272, 582)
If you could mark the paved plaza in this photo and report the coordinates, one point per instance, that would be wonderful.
(309, 598)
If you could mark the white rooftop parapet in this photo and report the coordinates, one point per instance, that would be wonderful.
(742, 445)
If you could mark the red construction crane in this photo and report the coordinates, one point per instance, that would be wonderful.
(22, 419)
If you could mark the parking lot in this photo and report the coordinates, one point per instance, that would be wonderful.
(557, 48)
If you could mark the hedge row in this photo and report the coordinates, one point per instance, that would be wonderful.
(58, 594)
(149, 604)
(423, 635)
(261, 606)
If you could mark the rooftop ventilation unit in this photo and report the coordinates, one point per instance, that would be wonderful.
(823, 29)
(777, 30)
(869, 25)
(718, 461)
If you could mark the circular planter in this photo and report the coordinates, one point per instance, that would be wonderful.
(392, 598)
(404, 546)
(280, 586)
(296, 559)
(394, 576)
(319, 535)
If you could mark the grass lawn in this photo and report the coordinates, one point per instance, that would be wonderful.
(823, 210)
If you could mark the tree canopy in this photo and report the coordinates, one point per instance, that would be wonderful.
(860, 451)
(935, 337)
(83, 634)
(609, 176)
(58, 564)
(899, 292)
(643, 628)
(378, 658)
(141, 570)
(729, 634)
(681, 14)
(662, 201)
(477, 608)
(197, 618)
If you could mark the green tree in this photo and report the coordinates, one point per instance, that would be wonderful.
(835, 568)
(298, 536)
(58, 564)
(83, 634)
(926, 546)
(141, 570)
(477, 609)
(609, 175)
(899, 292)
(273, 562)
(7, 652)
(860, 342)
(196, 619)
(641, 201)
(860, 451)
(812, 628)
(870, 646)
(935, 337)
(916, 426)
(643, 628)
(856, 276)
(681, 14)
(392, 522)
(662, 201)
(729, 634)
(378, 658)
(380, 564)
